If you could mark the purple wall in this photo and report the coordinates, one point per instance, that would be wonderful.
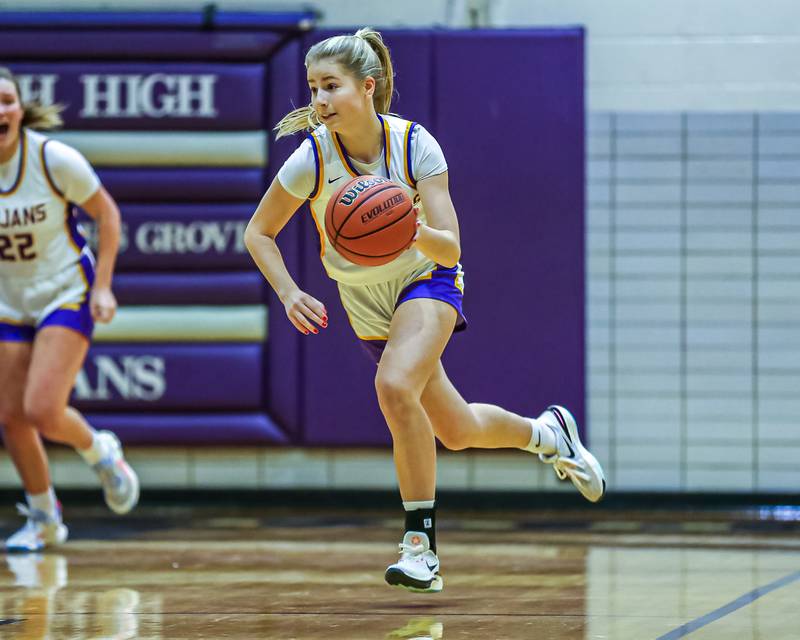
(507, 108)
(515, 150)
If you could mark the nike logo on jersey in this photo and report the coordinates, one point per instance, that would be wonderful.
(335, 179)
(431, 567)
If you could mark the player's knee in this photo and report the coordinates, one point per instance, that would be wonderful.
(44, 414)
(11, 415)
(395, 395)
(453, 439)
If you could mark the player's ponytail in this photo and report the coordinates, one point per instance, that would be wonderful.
(384, 78)
(35, 115)
(362, 54)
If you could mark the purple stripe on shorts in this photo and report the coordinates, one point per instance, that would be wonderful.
(440, 286)
(16, 332)
(79, 319)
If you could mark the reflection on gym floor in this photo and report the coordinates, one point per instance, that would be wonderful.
(262, 574)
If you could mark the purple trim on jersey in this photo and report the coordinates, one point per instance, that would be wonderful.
(317, 160)
(349, 164)
(87, 266)
(47, 173)
(409, 168)
(74, 232)
(23, 153)
(386, 148)
(16, 332)
(440, 286)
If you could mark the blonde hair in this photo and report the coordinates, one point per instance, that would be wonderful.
(35, 115)
(362, 54)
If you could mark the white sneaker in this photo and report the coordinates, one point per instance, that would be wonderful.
(418, 567)
(120, 482)
(572, 460)
(40, 531)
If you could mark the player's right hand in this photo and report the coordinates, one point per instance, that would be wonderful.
(304, 311)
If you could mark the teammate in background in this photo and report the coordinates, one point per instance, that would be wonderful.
(50, 296)
(404, 312)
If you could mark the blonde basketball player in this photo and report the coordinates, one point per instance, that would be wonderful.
(51, 294)
(404, 312)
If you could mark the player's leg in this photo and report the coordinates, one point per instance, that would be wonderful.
(553, 435)
(43, 524)
(58, 353)
(418, 334)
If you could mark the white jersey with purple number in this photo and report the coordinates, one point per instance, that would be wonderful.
(39, 233)
(323, 162)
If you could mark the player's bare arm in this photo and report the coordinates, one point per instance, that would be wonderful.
(102, 208)
(273, 212)
(439, 240)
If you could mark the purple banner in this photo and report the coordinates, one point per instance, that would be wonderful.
(183, 236)
(184, 185)
(150, 96)
(235, 287)
(167, 429)
(155, 377)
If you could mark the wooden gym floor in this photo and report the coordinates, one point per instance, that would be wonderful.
(290, 573)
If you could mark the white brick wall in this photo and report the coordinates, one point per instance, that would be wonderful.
(693, 236)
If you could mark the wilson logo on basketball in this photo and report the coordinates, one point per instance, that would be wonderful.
(349, 196)
(370, 221)
(382, 207)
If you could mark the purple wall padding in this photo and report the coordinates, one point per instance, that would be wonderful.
(201, 288)
(198, 184)
(515, 151)
(519, 188)
(284, 360)
(119, 44)
(184, 236)
(152, 96)
(168, 429)
(155, 377)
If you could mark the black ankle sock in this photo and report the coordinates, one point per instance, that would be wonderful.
(423, 520)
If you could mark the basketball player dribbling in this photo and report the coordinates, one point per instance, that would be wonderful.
(404, 312)
(51, 294)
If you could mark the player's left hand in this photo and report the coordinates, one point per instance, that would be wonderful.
(102, 304)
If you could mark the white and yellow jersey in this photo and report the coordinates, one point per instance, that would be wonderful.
(39, 232)
(320, 166)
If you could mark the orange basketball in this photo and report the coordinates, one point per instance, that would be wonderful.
(370, 220)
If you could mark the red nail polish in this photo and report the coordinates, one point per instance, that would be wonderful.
(315, 332)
